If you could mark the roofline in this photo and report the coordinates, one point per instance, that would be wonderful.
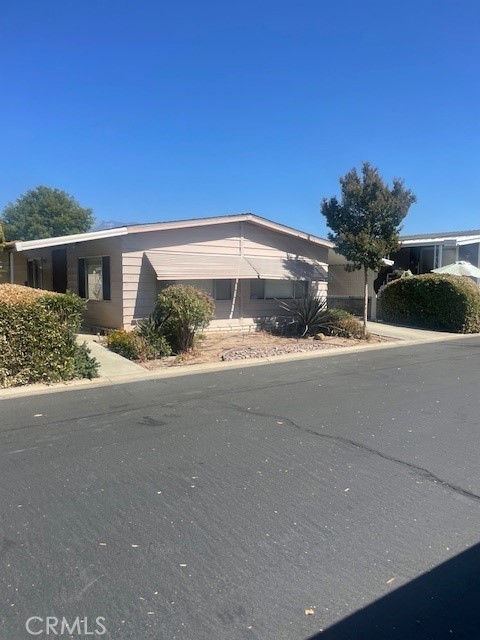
(71, 239)
(238, 217)
(457, 239)
(441, 234)
(164, 226)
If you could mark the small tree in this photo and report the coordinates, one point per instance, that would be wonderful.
(366, 222)
(180, 312)
(44, 213)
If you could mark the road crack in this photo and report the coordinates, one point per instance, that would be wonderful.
(417, 469)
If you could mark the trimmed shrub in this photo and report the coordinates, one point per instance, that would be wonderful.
(433, 301)
(38, 336)
(343, 324)
(134, 346)
(181, 311)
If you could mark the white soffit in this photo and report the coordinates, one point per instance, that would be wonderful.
(184, 266)
(448, 242)
(470, 240)
(29, 245)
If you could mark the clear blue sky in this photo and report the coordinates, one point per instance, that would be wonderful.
(154, 110)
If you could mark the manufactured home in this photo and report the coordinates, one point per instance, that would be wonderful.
(247, 263)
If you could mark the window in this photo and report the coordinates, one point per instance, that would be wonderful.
(218, 289)
(35, 273)
(278, 289)
(222, 289)
(468, 252)
(94, 278)
(206, 285)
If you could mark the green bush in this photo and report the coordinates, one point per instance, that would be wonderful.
(125, 343)
(149, 330)
(135, 346)
(85, 366)
(343, 324)
(434, 301)
(37, 336)
(181, 311)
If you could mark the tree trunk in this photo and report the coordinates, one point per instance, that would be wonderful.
(365, 304)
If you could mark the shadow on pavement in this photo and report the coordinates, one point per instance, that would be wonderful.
(443, 603)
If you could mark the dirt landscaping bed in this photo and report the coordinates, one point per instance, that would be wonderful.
(231, 345)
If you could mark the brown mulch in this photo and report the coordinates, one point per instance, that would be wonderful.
(232, 345)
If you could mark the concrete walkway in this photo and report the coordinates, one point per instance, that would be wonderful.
(111, 364)
(408, 333)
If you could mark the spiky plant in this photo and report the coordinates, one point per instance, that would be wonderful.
(310, 313)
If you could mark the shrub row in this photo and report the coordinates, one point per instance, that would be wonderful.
(181, 311)
(38, 337)
(442, 302)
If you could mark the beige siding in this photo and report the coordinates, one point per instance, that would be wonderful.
(259, 241)
(19, 268)
(99, 313)
(220, 239)
(134, 285)
(139, 279)
(347, 283)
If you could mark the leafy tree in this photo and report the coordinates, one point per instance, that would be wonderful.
(44, 213)
(366, 222)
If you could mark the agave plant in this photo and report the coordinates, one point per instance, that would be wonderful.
(310, 313)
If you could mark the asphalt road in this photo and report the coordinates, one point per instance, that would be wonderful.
(226, 505)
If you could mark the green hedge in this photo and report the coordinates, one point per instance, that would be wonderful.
(38, 337)
(442, 302)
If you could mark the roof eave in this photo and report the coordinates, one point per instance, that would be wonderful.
(30, 245)
(164, 226)
(241, 217)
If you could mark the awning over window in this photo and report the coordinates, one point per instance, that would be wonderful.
(288, 268)
(184, 266)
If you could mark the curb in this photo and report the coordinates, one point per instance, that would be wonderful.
(212, 367)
